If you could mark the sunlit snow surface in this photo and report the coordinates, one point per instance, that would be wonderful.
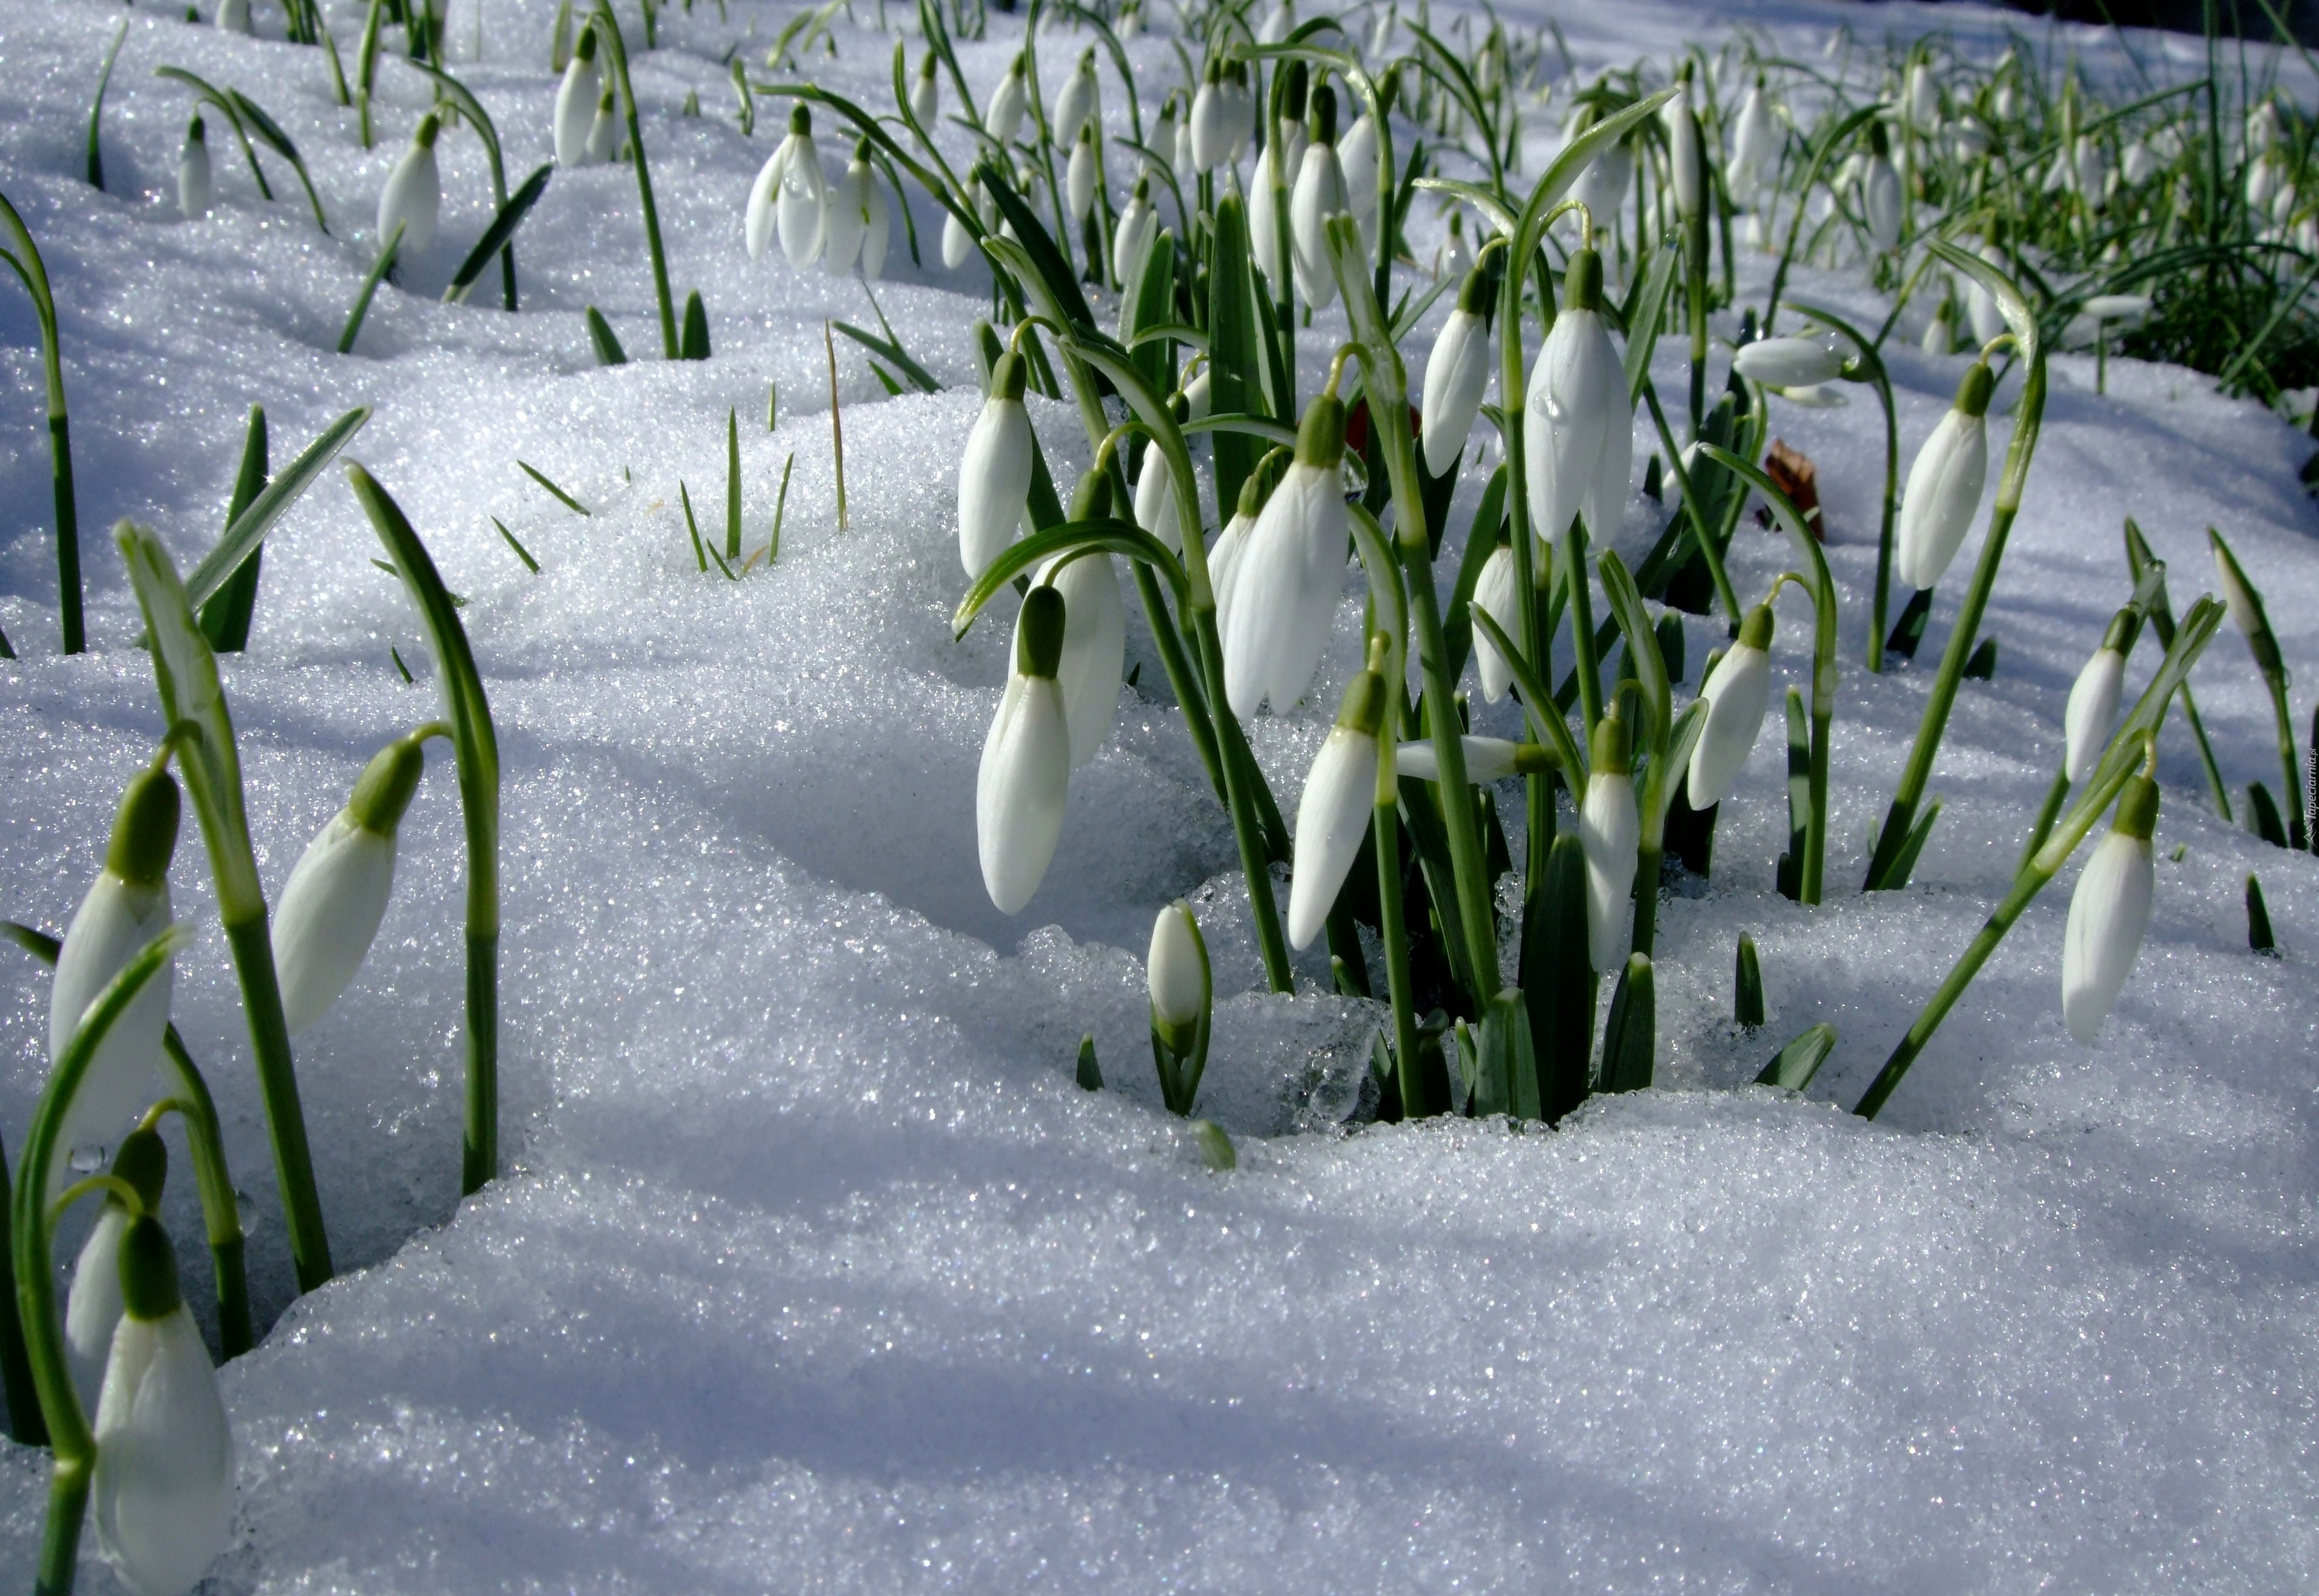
(813, 1270)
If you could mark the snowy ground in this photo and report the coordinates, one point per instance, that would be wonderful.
(813, 1270)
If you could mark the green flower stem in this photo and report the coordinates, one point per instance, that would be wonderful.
(2290, 795)
(616, 53)
(2027, 415)
(25, 1425)
(72, 1445)
(1577, 595)
(220, 1213)
(2047, 812)
(1871, 371)
(24, 257)
(1703, 538)
(1694, 287)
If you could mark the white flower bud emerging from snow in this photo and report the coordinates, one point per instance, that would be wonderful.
(2109, 912)
(993, 476)
(1003, 116)
(163, 1493)
(1076, 104)
(1736, 696)
(2093, 700)
(1357, 164)
(575, 103)
(1094, 646)
(1079, 177)
(926, 93)
(604, 131)
(1578, 426)
(1026, 760)
(1789, 363)
(1754, 146)
(856, 220)
(193, 173)
(1456, 256)
(1288, 581)
(1487, 759)
(92, 1307)
(1609, 832)
(1945, 484)
(233, 16)
(1319, 195)
(958, 243)
(1686, 159)
(1457, 375)
(1602, 185)
(1924, 98)
(335, 897)
(126, 908)
(414, 194)
(1176, 971)
(1131, 237)
(1880, 198)
(1333, 814)
(1497, 594)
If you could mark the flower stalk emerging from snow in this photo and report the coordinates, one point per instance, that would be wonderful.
(1183, 996)
(575, 103)
(993, 476)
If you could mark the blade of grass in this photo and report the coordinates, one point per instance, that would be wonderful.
(536, 475)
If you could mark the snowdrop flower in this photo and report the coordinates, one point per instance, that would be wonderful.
(331, 906)
(2005, 102)
(92, 1306)
(1176, 972)
(604, 131)
(1755, 145)
(233, 16)
(1319, 195)
(1287, 580)
(126, 908)
(1133, 235)
(1333, 814)
(2109, 912)
(1602, 187)
(2245, 607)
(2127, 308)
(1456, 257)
(2091, 170)
(1578, 428)
(1278, 26)
(1789, 362)
(163, 1492)
(1943, 491)
(1980, 306)
(1939, 338)
(1736, 696)
(1129, 24)
(1182, 151)
(1002, 117)
(1079, 177)
(1026, 759)
(1155, 502)
(1609, 831)
(413, 193)
(849, 203)
(193, 173)
(1970, 140)
(958, 243)
(1241, 121)
(797, 193)
(1094, 634)
(1224, 556)
(1457, 375)
(575, 103)
(2262, 127)
(1487, 760)
(1879, 194)
(1686, 159)
(2093, 698)
(1075, 104)
(1210, 127)
(1924, 98)
(1357, 163)
(994, 476)
(1497, 593)
(926, 93)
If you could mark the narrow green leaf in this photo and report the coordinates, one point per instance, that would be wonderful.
(1794, 1064)
(536, 475)
(497, 236)
(1629, 1035)
(250, 528)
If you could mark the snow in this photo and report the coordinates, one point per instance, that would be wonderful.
(813, 1270)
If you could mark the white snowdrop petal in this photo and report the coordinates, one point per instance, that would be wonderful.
(330, 912)
(163, 1493)
(1331, 818)
(115, 921)
(1738, 694)
(1021, 788)
(1609, 831)
(2109, 912)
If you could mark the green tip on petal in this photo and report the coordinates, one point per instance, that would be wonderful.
(1320, 436)
(1251, 494)
(1039, 639)
(429, 125)
(2138, 807)
(1363, 708)
(148, 1271)
(1009, 377)
(1583, 284)
(1092, 499)
(383, 791)
(1973, 392)
(1324, 116)
(800, 120)
(1614, 750)
(587, 50)
(1474, 293)
(143, 1161)
(145, 830)
(1755, 630)
(196, 134)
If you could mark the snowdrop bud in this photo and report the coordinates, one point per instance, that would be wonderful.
(1755, 144)
(163, 1492)
(1075, 106)
(1970, 140)
(1078, 179)
(2093, 698)
(1602, 185)
(1736, 696)
(413, 193)
(1457, 375)
(1278, 26)
(1195, 396)
(847, 220)
(1497, 593)
(2005, 102)
(1131, 238)
(2126, 307)
(1879, 194)
(2091, 168)
(1457, 254)
(1003, 116)
(1026, 760)
(335, 897)
(1094, 642)
(994, 477)
(801, 197)
(1686, 160)
(1287, 580)
(126, 908)
(1609, 832)
(2245, 605)
(2109, 912)
(1131, 23)
(958, 243)
(1155, 502)
(1924, 97)
(1788, 363)
(1943, 491)
(1487, 759)
(575, 103)
(1176, 969)
(1319, 195)
(1263, 229)
(877, 219)
(1211, 113)
(1333, 814)
(193, 173)
(1578, 425)
(1357, 164)
(1939, 338)
(92, 1306)
(926, 93)
(604, 131)
(233, 16)
(1290, 134)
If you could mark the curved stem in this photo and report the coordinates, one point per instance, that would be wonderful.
(608, 35)
(25, 258)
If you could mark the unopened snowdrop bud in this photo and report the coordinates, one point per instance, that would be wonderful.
(1319, 195)
(1736, 696)
(1457, 375)
(1970, 140)
(575, 103)
(1357, 164)
(193, 173)
(1195, 396)
(1789, 363)
(337, 893)
(1176, 971)
(1075, 106)
(163, 1492)
(1609, 832)
(1602, 187)
(1333, 814)
(604, 129)
(2109, 912)
(994, 477)
(1578, 428)
(414, 194)
(1223, 557)
(2122, 308)
(1945, 484)
(1002, 117)
(1497, 593)
(1079, 177)
(233, 16)
(926, 93)
(1240, 98)
(1939, 338)
(1094, 642)
(1686, 160)
(801, 199)
(1212, 112)
(2246, 607)
(2093, 698)
(1155, 502)
(877, 219)
(1182, 151)
(1924, 98)
(1131, 238)
(1755, 144)
(92, 1307)
(2091, 169)
(1288, 580)
(1290, 133)
(1026, 759)
(847, 214)
(1278, 26)
(1456, 257)
(1880, 198)
(958, 243)
(126, 908)
(1487, 759)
